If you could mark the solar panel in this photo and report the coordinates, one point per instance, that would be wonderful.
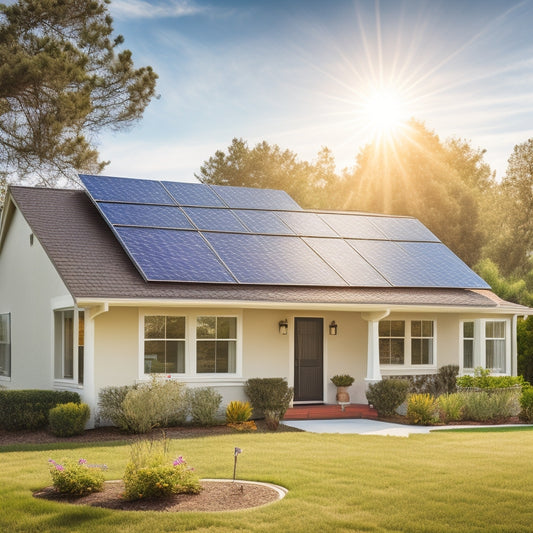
(404, 229)
(347, 262)
(214, 219)
(307, 224)
(254, 198)
(130, 190)
(154, 216)
(262, 222)
(193, 194)
(353, 226)
(173, 255)
(267, 259)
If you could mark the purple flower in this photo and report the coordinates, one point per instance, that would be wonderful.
(60, 468)
(82, 461)
(179, 461)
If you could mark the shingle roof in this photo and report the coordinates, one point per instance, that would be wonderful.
(93, 265)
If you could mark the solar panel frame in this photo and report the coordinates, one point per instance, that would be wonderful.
(306, 224)
(255, 198)
(211, 219)
(353, 226)
(197, 194)
(145, 215)
(264, 222)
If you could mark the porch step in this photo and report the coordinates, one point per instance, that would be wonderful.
(326, 411)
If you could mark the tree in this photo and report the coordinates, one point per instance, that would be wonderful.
(418, 175)
(61, 82)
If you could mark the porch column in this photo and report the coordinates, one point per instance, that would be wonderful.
(373, 372)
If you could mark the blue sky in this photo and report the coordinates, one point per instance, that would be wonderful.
(298, 73)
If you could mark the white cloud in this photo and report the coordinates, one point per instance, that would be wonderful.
(144, 9)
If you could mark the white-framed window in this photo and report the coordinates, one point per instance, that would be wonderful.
(468, 344)
(216, 344)
(69, 341)
(495, 346)
(5, 345)
(407, 343)
(164, 344)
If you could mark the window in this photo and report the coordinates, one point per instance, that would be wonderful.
(391, 342)
(216, 344)
(5, 345)
(421, 342)
(468, 344)
(69, 340)
(164, 344)
(495, 346)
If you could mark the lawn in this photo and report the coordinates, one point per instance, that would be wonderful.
(443, 481)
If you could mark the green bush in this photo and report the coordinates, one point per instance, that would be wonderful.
(68, 419)
(203, 406)
(271, 396)
(451, 407)
(491, 404)
(76, 478)
(387, 395)
(526, 404)
(151, 474)
(29, 409)
(483, 380)
(422, 409)
(110, 405)
(238, 412)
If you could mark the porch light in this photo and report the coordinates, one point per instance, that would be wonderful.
(333, 328)
(283, 327)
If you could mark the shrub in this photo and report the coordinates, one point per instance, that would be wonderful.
(477, 406)
(271, 396)
(151, 474)
(203, 406)
(491, 404)
(422, 409)
(526, 404)
(76, 478)
(342, 380)
(110, 405)
(483, 380)
(68, 419)
(29, 409)
(387, 395)
(450, 407)
(238, 412)
(446, 380)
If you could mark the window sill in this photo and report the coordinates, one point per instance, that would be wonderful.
(5, 378)
(67, 384)
(227, 380)
(408, 370)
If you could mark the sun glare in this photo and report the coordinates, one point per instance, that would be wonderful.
(384, 111)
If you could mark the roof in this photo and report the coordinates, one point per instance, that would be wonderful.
(93, 266)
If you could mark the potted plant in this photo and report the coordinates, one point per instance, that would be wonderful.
(342, 382)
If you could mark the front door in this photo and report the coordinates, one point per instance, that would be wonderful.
(308, 359)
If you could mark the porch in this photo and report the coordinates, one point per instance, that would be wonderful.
(329, 411)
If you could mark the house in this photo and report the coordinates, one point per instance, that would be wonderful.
(213, 285)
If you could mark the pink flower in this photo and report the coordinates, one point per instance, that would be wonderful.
(60, 468)
(179, 461)
(82, 461)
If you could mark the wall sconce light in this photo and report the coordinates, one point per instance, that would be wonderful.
(333, 328)
(283, 327)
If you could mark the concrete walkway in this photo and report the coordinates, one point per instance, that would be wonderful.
(361, 426)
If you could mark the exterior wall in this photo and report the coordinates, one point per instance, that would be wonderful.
(29, 286)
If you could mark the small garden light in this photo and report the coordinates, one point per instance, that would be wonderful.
(235, 454)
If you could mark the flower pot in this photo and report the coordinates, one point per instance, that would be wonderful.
(342, 395)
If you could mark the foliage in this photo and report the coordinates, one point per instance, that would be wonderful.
(76, 478)
(525, 348)
(387, 395)
(247, 426)
(271, 396)
(203, 405)
(443, 382)
(29, 409)
(152, 404)
(422, 409)
(490, 404)
(110, 408)
(483, 380)
(450, 407)
(526, 404)
(68, 419)
(62, 81)
(238, 412)
(150, 474)
(342, 380)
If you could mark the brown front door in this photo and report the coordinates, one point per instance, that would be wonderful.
(308, 359)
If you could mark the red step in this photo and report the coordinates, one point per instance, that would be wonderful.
(326, 411)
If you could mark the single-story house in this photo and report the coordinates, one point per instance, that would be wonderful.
(214, 285)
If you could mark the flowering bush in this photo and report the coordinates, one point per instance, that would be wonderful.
(238, 412)
(77, 477)
(150, 474)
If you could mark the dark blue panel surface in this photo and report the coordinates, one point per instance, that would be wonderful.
(347, 262)
(193, 194)
(353, 226)
(404, 229)
(155, 216)
(266, 259)
(126, 190)
(173, 255)
(214, 219)
(262, 222)
(253, 198)
(307, 224)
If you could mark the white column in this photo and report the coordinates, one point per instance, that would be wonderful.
(373, 372)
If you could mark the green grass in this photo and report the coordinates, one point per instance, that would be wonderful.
(441, 481)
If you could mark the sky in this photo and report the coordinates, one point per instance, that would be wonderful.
(303, 74)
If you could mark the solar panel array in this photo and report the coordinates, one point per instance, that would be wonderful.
(188, 232)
